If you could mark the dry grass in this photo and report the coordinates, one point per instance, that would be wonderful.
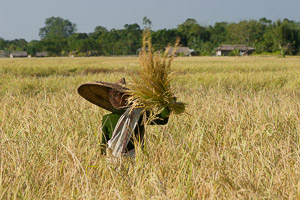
(150, 88)
(239, 139)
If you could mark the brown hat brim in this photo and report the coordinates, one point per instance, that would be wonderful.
(97, 93)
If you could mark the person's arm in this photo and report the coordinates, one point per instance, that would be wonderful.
(162, 118)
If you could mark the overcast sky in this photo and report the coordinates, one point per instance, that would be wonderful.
(24, 18)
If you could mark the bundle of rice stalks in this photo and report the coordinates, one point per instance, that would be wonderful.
(151, 86)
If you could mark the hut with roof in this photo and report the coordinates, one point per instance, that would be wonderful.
(18, 54)
(41, 54)
(226, 49)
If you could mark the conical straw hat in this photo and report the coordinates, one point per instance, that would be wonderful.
(97, 92)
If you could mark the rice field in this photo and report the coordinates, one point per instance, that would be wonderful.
(238, 139)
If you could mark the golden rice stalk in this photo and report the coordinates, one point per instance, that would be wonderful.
(151, 86)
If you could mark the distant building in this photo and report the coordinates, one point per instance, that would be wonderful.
(41, 54)
(226, 49)
(180, 51)
(18, 54)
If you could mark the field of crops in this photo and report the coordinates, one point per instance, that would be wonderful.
(239, 137)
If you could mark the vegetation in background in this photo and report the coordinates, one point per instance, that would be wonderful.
(59, 38)
(57, 27)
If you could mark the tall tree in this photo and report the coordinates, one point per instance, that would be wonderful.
(162, 38)
(287, 36)
(131, 37)
(245, 32)
(265, 21)
(17, 45)
(55, 45)
(99, 30)
(3, 44)
(219, 33)
(34, 46)
(107, 43)
(266, 44)
(57, 27)
(81, 42)
(190, 29)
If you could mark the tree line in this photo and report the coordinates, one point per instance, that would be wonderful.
(59, 37)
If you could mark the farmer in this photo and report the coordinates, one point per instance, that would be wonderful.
(123, 126)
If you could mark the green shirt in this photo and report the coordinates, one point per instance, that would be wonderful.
(110, 121)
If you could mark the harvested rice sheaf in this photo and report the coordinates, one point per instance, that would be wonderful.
(150, 88)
